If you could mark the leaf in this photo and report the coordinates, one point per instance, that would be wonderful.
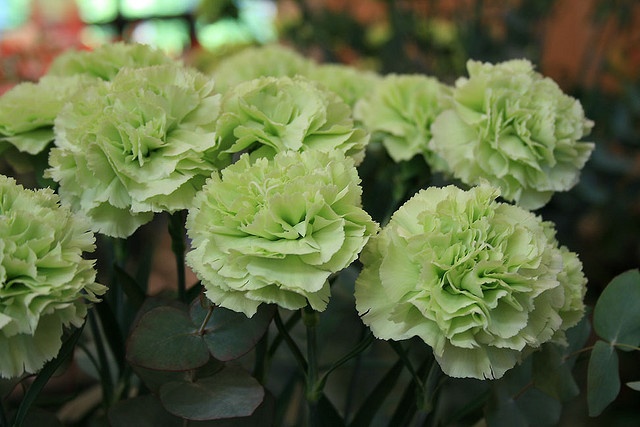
(635, 385)
(165, 339)
(539, 408)
(374, 400)
(142, 411)
(132, 289)
(552, 374)
(603, 381)
(616, 317)
(503, 411)
(229, 393)
(154, 379)
(43, 376)
(229, 334)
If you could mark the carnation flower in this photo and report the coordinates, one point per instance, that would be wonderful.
(45, 284)
(27, 111)
(271, 60)
(350, 83)
(274, 230)
(400, 111)
(107, 60)
(140, 144)
(268, 115)
(515, 129)
(481, 282)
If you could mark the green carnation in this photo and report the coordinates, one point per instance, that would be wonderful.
(271, 60)
(269, 115)
(28, 110)
(515, 129)
(274, 230)
(400, 111)
(140, 144)
(45, 284)
(350, 83)
(105, 61)
(482, 282)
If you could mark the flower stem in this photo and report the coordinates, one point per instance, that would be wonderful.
(178, 246)
(313, 388)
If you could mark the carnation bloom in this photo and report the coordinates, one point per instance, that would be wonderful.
(27, 110)
(105, 61)
(45, 284)
(350, 83)
(140, 144)
(400, 111)
(268, 115)
(515, 129)
(482, 282)
(271, 60)
(274, 230)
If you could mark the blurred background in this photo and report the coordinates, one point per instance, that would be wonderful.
(591, 48)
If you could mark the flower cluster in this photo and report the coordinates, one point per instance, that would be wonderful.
(139, 144)
(45, 284)
(482, 282)
(274, 230)
(517, 130)
(268, 115)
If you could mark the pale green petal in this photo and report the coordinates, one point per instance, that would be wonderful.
(511, 127)
(482, 282)
(275, 230)
(45, 282)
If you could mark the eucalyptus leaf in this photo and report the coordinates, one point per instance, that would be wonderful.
(616, 317)
(229, 393)
(603, 381)
(229, 334)
(504, 412)
(166, 339)
(539, 408)
(552, 375)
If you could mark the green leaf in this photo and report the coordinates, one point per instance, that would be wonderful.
(165, 339)
(229, 393)
(142, 411)
(132, 289)
(538, 408)
(635, 385)
(552, 374)
(229, 334)
(503, 411)
(374, 400)
(154, 379)
(616, 317)
(43, 377)
(603, 381)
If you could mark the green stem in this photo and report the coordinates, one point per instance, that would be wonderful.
(3, 415)
(313, 388)
(260, 364)
(104, 371)
(178, 246)
(293, 347)
(626, 346)
(290, 323)
(203, 326)
(357, 350)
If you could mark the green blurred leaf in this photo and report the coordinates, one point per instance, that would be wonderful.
(132, 289)
(603, 381)
(616, 317)
(166, 339)
(44, 375)
(229, 393)
(538, 408)
(229, 334)
(374, 400)
(142, 411)
(503, 411)
(552, 374)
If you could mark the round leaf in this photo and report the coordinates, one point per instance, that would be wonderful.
(603, 381)
(616, 317)
(229, 393)
(165, 339)
(228, 334)
(552, 374)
